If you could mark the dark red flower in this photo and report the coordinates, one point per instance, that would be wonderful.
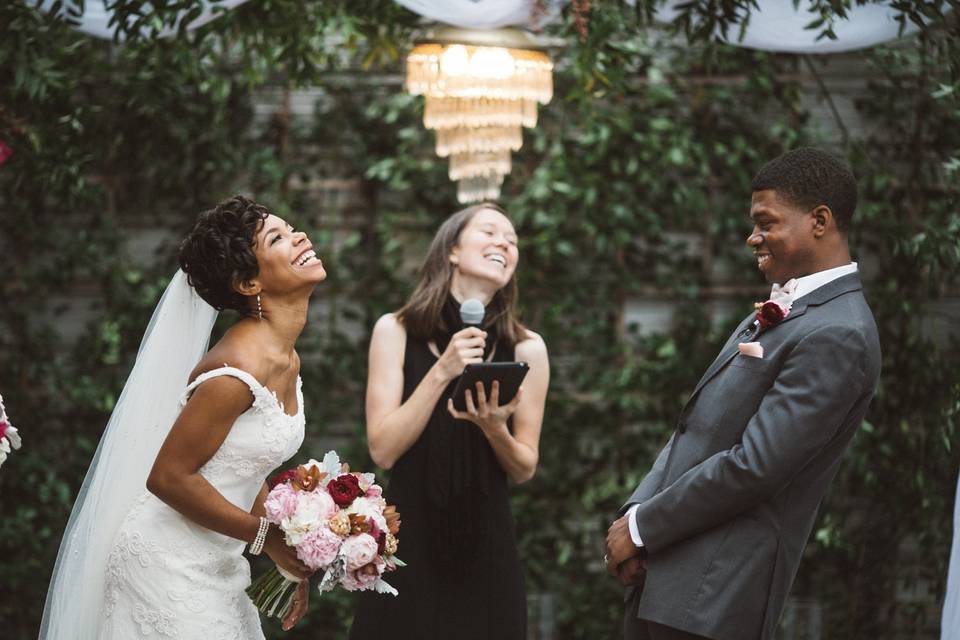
(381, 542)
(344, 489)
(770, 313)
(5, 152)
(280, 478)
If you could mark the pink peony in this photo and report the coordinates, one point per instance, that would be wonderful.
(318, 502)
(319, 548)
(281, 503)
(359, 550)
(375, 491)
(365, 577)
(314, 510)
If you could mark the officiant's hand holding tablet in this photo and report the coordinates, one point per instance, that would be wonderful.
(508, 374)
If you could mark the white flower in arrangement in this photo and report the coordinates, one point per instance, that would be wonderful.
(313, 511)
(330, 464)
(371, 508)
(13, 436)
(9, 437)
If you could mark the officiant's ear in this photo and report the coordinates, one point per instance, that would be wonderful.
(823, 219)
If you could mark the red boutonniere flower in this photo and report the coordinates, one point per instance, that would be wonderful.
(770, 313)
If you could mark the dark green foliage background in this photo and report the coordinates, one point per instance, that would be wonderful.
(651, 137)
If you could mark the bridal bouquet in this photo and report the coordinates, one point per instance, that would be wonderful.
(338, 522)
(9, 438)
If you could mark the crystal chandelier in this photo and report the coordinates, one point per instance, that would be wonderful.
(481, 88)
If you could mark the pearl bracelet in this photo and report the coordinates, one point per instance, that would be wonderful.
(257, 545)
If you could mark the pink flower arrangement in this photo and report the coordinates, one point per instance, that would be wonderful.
(339, 524)
(9, 437)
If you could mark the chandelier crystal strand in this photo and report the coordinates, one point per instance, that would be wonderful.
(472, 165)
(478, 98)
(479, 140)
(450, 113)
(486, 187)
(460, 71)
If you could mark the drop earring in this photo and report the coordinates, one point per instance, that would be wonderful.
(259, 308)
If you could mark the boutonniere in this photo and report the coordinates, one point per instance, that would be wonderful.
(770, 313)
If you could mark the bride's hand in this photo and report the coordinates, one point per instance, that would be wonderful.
(299, 609)
(284, 556)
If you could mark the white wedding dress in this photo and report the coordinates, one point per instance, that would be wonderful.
(168, 577)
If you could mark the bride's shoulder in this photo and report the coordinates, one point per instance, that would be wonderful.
(233, 354)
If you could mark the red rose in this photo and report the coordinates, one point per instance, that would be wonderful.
(344, 489)
(770, 313)
(280, 478)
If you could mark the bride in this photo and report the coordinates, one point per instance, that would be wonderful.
(175, 492)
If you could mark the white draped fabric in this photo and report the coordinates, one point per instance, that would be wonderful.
(950, 620)
(779, 26)
(775, 26)
(485, 14)
(97, 13)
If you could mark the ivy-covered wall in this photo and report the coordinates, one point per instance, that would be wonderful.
(631, 192)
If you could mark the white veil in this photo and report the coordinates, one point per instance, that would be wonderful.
(175, 340)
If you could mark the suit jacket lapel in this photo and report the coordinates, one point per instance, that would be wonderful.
(827, 292)
(822, 295)
(729, 350)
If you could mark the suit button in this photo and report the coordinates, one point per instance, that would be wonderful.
(682, 427)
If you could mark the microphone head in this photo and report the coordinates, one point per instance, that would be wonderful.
(472, 312)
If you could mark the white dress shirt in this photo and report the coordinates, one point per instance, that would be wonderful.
(804, 286)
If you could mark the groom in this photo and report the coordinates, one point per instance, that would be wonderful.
(709, 543)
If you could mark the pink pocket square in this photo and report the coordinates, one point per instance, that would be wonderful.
(751, 349)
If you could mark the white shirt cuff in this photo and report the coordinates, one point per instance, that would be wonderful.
(632, 522)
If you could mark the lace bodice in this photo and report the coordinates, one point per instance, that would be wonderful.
(168, 576)
(261, 439)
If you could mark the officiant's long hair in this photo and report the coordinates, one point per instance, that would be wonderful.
(422, 316)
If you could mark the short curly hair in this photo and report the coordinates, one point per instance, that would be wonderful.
(808, 177)
(218, 253)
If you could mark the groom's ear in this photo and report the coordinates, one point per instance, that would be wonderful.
(822, 218)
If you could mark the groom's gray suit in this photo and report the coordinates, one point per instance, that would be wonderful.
(728, 506)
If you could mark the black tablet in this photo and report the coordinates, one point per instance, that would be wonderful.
(509, 374)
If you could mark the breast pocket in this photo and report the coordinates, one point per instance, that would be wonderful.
(734, 396)
(753, 364)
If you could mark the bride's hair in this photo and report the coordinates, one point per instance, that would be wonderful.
(217, 255)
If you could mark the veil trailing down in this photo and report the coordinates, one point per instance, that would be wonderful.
(175, 340)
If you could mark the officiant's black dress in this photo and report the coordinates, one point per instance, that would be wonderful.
(463, 580)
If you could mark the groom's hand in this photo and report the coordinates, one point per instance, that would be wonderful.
(620, 546)
(632, 571)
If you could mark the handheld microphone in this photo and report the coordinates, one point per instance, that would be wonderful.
(471, 313)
